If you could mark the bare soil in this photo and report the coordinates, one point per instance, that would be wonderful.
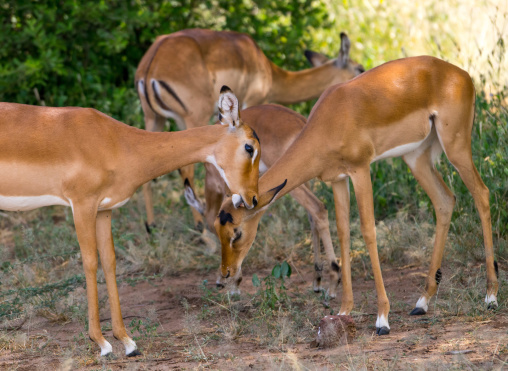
(433, 341)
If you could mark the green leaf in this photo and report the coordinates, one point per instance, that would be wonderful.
(255, 280)
(285, 269)
(276, 271)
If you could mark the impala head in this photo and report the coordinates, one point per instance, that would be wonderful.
(346, 68)
(237, 155)
(236, 229)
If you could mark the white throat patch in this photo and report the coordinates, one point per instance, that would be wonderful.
(211, 159)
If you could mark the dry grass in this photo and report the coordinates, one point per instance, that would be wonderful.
(472, 37)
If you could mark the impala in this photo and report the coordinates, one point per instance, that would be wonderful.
(81, 158)
(180, 74)
(277, 127)
(415, 108)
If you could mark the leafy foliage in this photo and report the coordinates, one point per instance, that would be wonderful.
(275, 292)
(68, 53)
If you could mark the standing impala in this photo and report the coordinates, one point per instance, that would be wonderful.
(81, 158)
(179, 77)
(415, 108)
(277, 127)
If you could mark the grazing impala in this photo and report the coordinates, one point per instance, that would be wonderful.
(415, 108)
(179, 77)
(277, 127)
(81, 158)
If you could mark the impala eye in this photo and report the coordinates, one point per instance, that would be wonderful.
(249, 149)
(237, 236)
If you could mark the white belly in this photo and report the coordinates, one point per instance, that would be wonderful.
(399, 150)
(107, 205)
(22, 203)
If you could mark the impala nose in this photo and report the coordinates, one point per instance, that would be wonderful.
(227, 276)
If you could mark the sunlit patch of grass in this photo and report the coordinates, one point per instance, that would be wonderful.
(463, 294)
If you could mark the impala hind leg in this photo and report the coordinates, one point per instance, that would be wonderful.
(153, 122)
(318, 264)
(363, 189)
(342, 205)
(443, 200)
(458, 151)
(85, 222)
(318, 216)
(108, 262)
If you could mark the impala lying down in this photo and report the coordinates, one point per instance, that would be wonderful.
(81, 158)
(180, 75)
(415, 108)
(277, 127)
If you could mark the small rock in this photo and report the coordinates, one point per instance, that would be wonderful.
(334, 331)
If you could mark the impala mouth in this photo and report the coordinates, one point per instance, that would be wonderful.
(239, 202)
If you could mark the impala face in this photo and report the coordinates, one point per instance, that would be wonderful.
(237, 156)
(236, 229)
(345, 67)
(237, 160)
(236, 234)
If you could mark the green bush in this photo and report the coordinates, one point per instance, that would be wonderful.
(69, 53)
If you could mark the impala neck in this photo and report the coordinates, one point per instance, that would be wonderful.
(298, 86)
(299, 164)
(151, 155)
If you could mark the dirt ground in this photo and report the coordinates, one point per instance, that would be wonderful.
(421, 342)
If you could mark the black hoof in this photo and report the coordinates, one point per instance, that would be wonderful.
(134, 353)
(382, 330)
(110, 356)
(200, 227)
(317, 291)
(220, 285)
(492, 306)
(149, 227)
(417, 312)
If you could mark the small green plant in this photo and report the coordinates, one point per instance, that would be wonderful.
(145, 329)
(275, 292)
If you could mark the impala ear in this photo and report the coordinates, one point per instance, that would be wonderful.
(229, 113)
(266, 198)
(345, 45)
(316, 59)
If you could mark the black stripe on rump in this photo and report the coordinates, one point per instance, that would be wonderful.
(173, 94)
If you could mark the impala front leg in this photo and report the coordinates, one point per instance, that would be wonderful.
(84, 220)
(363, 189)
(153, 122)
(342, 204)
(108, 262)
